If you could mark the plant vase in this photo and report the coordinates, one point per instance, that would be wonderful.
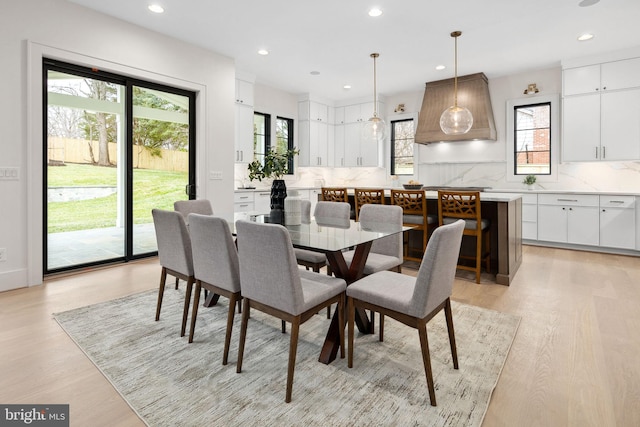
(278, 194)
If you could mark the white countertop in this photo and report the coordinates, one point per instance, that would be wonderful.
(545, 191)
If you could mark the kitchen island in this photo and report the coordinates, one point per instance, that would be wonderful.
(504, 210)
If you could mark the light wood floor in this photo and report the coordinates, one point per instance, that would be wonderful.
(575, 360)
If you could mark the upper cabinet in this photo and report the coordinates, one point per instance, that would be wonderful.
(624, 74)
(244, 93)
(351, 149)
(601, 112)
(244, 122)
(315, 133)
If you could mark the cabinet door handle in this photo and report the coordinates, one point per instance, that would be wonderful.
(604, 152)
(596, 152)
(616, 201)
(567, 200)
(264, 194)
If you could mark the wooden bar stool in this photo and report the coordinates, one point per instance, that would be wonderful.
(465, 205)
(334, 194)
(414, 209)
(365, 196)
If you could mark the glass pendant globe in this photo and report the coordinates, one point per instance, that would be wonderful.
(456, 120)
(374, 129)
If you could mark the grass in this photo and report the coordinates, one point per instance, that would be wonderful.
(151, 189)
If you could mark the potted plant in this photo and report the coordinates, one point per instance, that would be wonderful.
(274, 165)
(529, 181)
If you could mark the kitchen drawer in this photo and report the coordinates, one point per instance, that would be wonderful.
(243, 196)
(529, 199)
(617, 202)
(243, 207)
(569, 199)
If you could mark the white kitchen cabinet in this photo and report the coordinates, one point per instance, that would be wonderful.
(581, 80)
(618, 222)
(244, 134)
(262, 201)
(360, 112)
(358, 151)
(243, 201)
(315, 111)
(581, 128)
(624, 74)
(569, 218)
(315, 133)
(314, 139)
(601, 112)
(244, 93)
(620, 125)
(530, 216)
(338, 145)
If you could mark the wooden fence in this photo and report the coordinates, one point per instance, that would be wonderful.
(69, 150)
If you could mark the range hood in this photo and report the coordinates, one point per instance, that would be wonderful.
(473, 93)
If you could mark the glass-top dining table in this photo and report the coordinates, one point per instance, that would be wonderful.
(332, 237)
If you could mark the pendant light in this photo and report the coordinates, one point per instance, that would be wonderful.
(456, 120)
(374, 128)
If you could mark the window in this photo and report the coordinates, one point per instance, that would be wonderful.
(402, 141)
(532, 120)
(261, 133)
(284, 138)
(532, 139)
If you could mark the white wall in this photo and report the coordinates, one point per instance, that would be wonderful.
(65, 31)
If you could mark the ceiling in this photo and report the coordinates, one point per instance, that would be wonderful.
(336, 38)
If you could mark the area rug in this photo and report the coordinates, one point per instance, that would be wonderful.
(169, 382)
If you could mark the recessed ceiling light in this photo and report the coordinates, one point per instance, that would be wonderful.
(156, 8)
(584, 37)
(315, 73)
(346, 87)
(586, 3)
(440, 67)
(263, 52)
(375, 12)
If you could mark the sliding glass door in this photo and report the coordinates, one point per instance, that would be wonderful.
(115, 148)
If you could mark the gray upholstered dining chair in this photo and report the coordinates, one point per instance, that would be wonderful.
(215, 266)
(414, 301)
(273, 283)
(386, 253)
(199, 206)
(185, 207)
(324, 213)
(174, 252)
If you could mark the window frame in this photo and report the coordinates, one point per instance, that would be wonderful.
(554, 135)
(392, 146)
(290, 140)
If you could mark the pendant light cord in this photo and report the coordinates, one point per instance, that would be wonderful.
(455, 36)
(375, 97)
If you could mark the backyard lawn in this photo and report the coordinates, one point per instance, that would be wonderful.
(151, 189)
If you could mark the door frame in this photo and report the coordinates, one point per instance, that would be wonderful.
(128, 82)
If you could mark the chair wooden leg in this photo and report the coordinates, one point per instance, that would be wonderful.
(350, 320)
(163, 279)
(194, 311)
(381, 331)
(227, 336)
(293, 348)
(452, 336)
(340, 309)
(283, 326)
(243, 334)
(177, 280)
(185, 310)
(426, 360)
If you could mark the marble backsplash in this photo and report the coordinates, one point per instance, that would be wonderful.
(601, 176)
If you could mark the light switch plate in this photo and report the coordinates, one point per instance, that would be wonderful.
(215, 174)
